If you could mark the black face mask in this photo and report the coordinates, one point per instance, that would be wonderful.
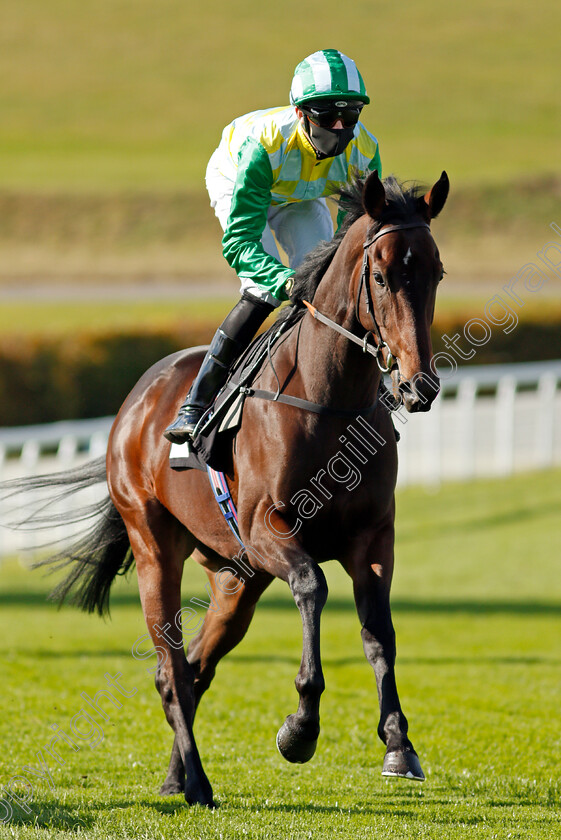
(328, 142)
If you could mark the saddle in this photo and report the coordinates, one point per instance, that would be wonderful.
(212, 445)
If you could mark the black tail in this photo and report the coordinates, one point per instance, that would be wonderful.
(100, 554)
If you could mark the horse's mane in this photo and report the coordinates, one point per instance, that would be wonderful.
(401, 206)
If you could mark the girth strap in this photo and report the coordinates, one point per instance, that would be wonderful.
(298, 402)
(225, 502)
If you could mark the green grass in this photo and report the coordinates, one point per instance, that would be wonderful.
(477, 609)
(46, 319)
(485, 234)
(70, 318)
(129, 94)
(113, 109)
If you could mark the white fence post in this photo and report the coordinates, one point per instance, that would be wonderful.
(52, 447)
(2, 530)
(545, 426)
(66, 452)
(432, 444)
(504, 425)
(465, 412)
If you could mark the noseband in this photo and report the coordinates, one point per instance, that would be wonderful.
(376, 350)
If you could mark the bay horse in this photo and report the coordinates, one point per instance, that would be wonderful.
(376, 280)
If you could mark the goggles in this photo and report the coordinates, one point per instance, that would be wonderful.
(326, 114)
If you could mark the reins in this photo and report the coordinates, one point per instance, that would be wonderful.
(376, 350)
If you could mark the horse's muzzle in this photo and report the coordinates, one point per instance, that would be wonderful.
(419, 393)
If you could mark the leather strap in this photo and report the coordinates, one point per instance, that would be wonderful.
(362, 342)
(365, 281)
(307, 405)
(394, 228)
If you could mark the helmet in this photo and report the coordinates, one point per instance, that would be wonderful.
(327, 74)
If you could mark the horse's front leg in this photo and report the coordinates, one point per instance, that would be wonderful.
(371, 569)
(285, 559)
(297, 737)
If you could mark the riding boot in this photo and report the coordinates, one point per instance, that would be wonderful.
(230, 340)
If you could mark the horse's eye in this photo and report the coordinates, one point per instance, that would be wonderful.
(441, 278)
(378, 278)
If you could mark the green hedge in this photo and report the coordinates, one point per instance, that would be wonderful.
(42, 380)
(529, 341)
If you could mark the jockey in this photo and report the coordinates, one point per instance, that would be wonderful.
(271, 173)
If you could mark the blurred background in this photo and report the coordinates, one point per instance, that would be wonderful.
(110, 258)
(110, 255)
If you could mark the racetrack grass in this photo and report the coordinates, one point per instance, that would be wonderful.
(44, 319)
(121, 95)
(477, 609)
(67, 318)
(149, 245)
(114, 109)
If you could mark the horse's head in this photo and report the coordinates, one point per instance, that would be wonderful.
(396, 292)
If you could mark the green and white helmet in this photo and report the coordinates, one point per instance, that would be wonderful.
(327, 74)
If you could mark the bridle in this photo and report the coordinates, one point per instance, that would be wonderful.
(386, 366)
(376, 350)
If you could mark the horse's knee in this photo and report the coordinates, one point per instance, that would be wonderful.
(174, 683)
(308, 584)
(165, 685)
(203, 679)
(203, 668)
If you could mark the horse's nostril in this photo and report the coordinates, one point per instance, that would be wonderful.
(418, 393)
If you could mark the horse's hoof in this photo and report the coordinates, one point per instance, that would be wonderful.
(293, 744)
(171, 788)
(199, 794)
(406, 765)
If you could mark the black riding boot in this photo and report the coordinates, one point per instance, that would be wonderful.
(230, 340)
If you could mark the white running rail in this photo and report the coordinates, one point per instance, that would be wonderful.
(487, 421)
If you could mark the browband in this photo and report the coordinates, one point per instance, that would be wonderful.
(395, 228)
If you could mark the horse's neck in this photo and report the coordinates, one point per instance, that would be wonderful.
(332, 369)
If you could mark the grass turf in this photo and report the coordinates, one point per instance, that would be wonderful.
(129, 95)
(113, 110)
(38, 319)
(476, 603)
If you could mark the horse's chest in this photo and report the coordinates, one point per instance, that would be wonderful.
(329, 525)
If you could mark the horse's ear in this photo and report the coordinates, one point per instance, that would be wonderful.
(373, 196)
(433, 201)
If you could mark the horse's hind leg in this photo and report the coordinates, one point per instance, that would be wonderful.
(160, 545)
(371, 569)
(223, 628)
